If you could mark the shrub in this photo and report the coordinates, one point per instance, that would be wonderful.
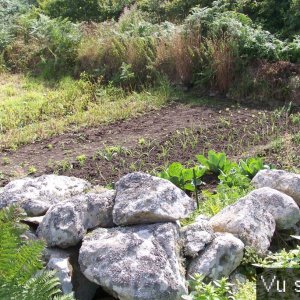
(10, 10)
(45, 44)
(121, 53)
(84, 10)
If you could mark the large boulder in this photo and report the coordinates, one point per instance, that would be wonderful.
(142, 199)
(66, 223)
(138, 262)
(288, 183)
(196, 236)
(36, 195)
(253, 218)
(219, 258)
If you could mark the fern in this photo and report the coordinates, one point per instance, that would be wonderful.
(21, 272)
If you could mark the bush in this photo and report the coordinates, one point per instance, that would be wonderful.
(122, 53)
(84, 10)
(10, 10)
(46, 45)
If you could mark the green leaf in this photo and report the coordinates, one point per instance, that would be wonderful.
(189, 187)
(187, 174)
(175, 169)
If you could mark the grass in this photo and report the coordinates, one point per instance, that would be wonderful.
(31, 110)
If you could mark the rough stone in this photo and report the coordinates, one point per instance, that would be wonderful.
(66, 223)
(252, 218)
(63, 270)
(288, 183)
(283, 208)
(219, 258)
(138, 262)
(36, 195)
(69, 274)
(142, 199)
(196, 236)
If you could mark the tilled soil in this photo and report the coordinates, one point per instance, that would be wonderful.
(148, 142)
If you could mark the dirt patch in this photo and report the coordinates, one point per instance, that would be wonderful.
(148, 142)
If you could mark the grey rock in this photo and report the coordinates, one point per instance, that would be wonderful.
(201, 218)
(33, 220)
(65, 262)
(36, 195)
(66, 223)
(195, 237)
(138, 262)
(288, 183)
(63, 270)
(253, 218)
(29, 235)
(143, 199)
(283, 208)
(219, 259)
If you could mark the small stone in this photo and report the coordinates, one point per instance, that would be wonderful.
(195, 237)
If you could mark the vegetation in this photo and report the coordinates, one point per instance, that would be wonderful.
(31, 110)
(68, 65)
(219, 289)
(21, 271)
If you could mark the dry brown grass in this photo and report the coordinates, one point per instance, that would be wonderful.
(177, 55)
(223, 63)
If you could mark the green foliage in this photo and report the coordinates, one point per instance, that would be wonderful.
(187, 179)
(10, 10)
(215, 162)
(21, 274)
(53, 43)
(251, 166)
(84, 10)
(215, 290)
(234, 178)
(214, 202)
(246, 291)
(282, 259)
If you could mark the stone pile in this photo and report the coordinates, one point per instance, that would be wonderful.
(129, 241)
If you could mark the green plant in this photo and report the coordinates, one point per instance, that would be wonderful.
(46, 46)
(32, 170)
(234, 178)
(215, 290)
(214, 202)
(215, 162)
(246, 291)
(251, 166)
(282, 259)
(21, 273)
(5, 161)
(81, 159)
(187, 179)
